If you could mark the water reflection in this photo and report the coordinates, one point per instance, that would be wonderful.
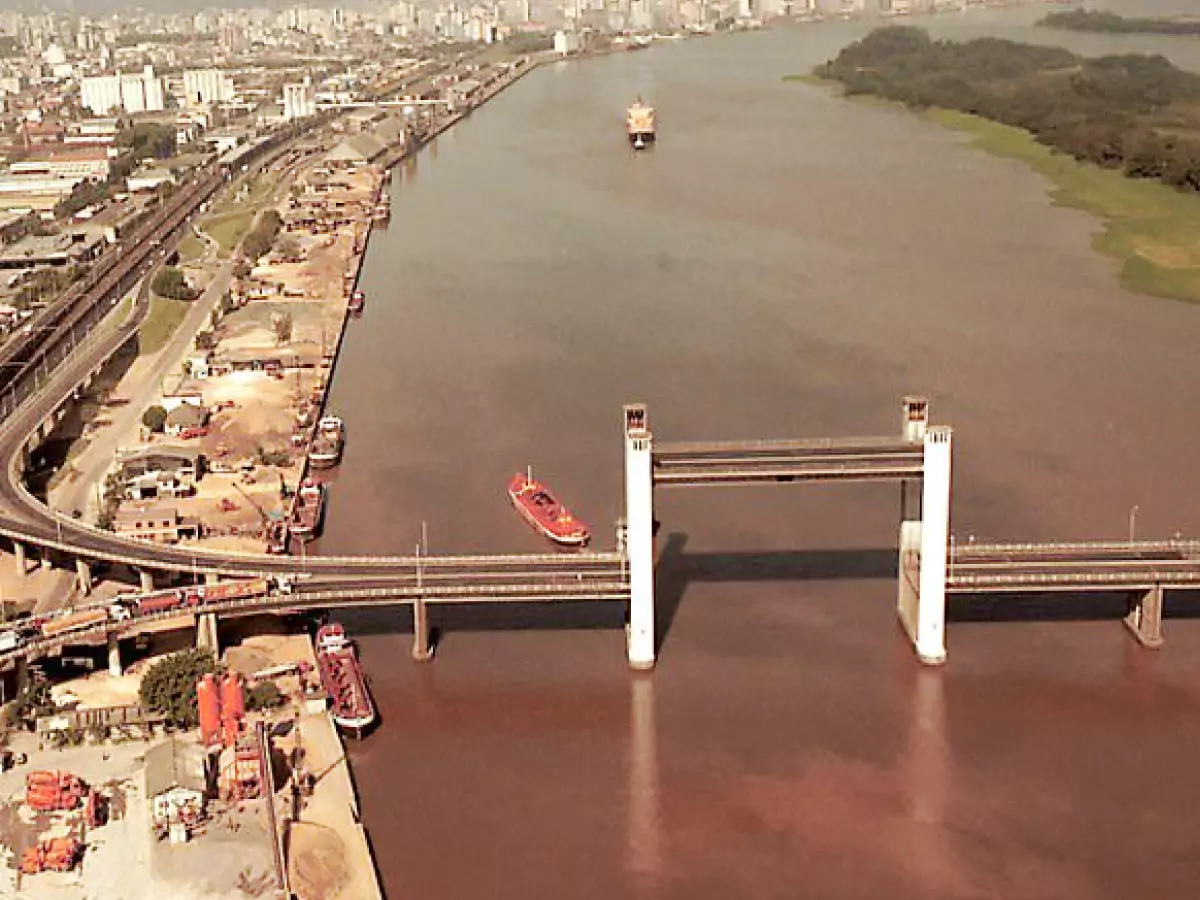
(929, 773)
(643, 840)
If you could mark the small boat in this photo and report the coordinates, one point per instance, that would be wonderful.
(307, 510)
(357, 301)
(545, 513)
(640, 125)
(327, 445)
(343, 680)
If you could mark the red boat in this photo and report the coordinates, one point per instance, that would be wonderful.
(357, 301)
(542, 510)
(342, 678)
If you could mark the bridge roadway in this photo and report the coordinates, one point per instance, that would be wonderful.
(770, 462)
(536, 579)
(1086, 566)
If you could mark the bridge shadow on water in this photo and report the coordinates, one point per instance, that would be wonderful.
(676, 569)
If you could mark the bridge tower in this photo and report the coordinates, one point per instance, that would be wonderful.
(639, 536)
(924, 533)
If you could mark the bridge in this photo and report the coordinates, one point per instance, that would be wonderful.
(86, 331)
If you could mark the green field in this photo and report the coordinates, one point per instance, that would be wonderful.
(229, 229)
(1150, 229)
(191, 248)
(165, 316)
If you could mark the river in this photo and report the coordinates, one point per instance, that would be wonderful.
(782, 264)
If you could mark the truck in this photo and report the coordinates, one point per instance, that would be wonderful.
(10, 639)
(229, 590)
(74, 621)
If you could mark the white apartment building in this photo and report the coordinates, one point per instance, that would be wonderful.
(206, 87)
(134, 93)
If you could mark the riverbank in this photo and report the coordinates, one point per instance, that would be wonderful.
(1151, 229)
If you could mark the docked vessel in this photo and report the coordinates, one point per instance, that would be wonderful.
(545, 513)
(307, 509)
(357, 301)
(327, 445)
(343, 680)
(640, 125)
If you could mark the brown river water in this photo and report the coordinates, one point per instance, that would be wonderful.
(782, 264)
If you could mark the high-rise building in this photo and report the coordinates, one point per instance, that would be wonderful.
(299, 100)
(206, 87)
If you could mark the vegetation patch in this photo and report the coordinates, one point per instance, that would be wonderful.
(169, 686)
(1111, 23)
(229, 229)
(165, 316)
(1056, 113)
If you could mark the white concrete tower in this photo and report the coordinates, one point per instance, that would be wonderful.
(639, 536)
(930, 621)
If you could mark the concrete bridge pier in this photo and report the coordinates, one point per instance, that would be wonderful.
(83, 574)
(206, 633)
(146, 580)
(639, 537)
(1145, 618)
(114, 656)
(921, 600)
(22, 561)
(422, 647)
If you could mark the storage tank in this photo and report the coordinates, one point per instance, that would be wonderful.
(233, 707)
(208, 701)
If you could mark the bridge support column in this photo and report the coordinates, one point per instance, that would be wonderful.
(146, 580)
(1145, 618)
(921, 603)
(114, 656)
(206, 633)
(639, 536)
(83, 573)
(22, 562)
(422, 646)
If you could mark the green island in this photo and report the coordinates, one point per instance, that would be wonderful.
(1111, 23)
(1118, 136)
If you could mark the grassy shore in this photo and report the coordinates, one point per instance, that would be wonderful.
(1151, 230)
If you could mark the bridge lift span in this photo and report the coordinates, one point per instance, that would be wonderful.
(921, 454)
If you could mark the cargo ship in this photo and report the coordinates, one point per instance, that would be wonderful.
(307, 510)
(357, 301)
(327, 446)
(545, 513)
(343, 680)
(640, 125)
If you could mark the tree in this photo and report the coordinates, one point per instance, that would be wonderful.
(264, 695)
(154, 418)
(169, 686)
(282, 324)
(172, 283)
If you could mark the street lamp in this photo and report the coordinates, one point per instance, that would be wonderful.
(1133, 511)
